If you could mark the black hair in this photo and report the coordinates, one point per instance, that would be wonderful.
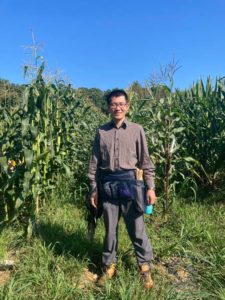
(116, 93)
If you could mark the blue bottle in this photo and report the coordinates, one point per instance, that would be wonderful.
(149, 209)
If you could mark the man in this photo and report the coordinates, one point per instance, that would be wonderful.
(120, 148)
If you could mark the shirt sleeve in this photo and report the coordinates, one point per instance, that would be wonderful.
(94, 163)
(144, 162)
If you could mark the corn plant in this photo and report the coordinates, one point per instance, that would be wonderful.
(204, 107)
(162, 125)
(185, 132)
(46, 138)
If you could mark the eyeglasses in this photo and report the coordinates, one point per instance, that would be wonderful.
(120, 104)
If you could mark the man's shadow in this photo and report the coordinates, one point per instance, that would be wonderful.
(74, 243)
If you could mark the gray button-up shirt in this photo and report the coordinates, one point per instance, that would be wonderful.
(123, 148)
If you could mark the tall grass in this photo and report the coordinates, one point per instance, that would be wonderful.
(189, 256)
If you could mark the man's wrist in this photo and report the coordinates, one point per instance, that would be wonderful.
(151, 188)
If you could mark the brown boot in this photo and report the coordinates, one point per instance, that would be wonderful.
(146, 276)
(107, 273)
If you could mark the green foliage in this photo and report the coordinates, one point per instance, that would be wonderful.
(94, 95)
(10, 94)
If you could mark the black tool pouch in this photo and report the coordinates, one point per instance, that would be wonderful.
(140, 201)
(105, 190)
(129, 190)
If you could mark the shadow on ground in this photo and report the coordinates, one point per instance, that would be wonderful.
(74, 243)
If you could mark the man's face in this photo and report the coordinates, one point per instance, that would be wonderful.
(118, 108)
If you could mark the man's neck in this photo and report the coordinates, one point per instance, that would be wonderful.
(119, 123)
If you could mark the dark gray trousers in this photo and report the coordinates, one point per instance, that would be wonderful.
(134, 221)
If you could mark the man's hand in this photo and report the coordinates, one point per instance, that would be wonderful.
(151, 197)
(94, 199)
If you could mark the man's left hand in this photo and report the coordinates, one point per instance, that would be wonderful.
(151, 197)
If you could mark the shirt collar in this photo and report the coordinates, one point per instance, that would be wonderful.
(124, 125)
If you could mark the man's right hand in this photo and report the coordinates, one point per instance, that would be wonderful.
(94, 199)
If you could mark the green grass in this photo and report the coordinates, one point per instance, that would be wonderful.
(189, 263)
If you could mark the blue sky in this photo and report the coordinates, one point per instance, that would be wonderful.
(107, 44)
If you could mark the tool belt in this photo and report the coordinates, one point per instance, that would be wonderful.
(123, 185)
